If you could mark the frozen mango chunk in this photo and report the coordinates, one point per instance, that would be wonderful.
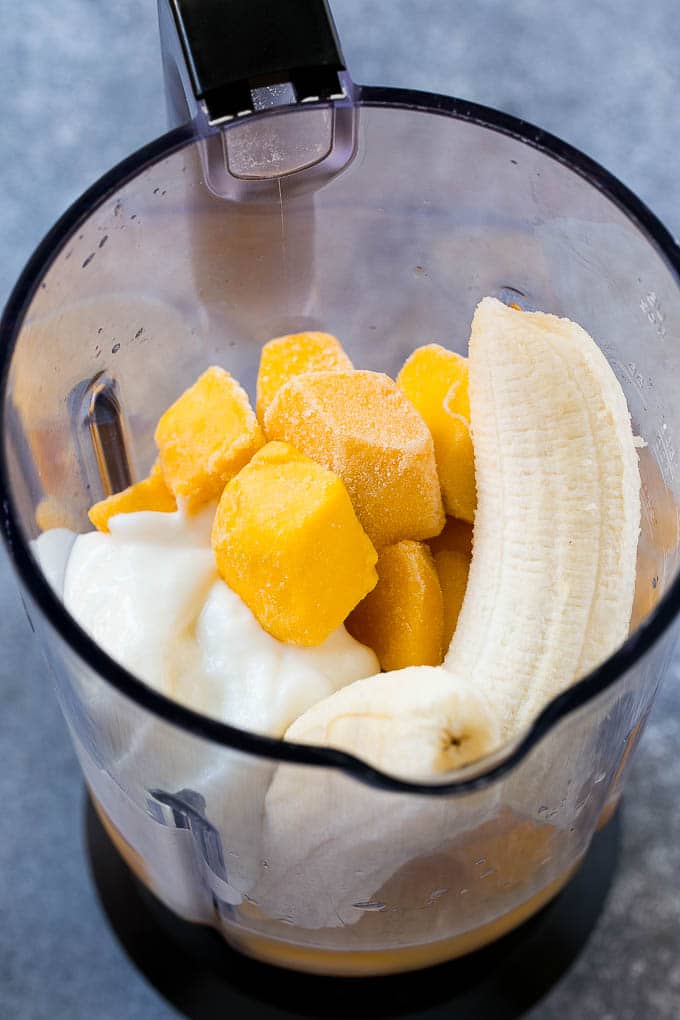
(287, 540)
(286, 356)
(150, 494)
(452, 551)
(361, 426)
(402, 619)
(436, 382)
(206, 437)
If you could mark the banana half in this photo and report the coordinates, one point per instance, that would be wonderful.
(552, 578)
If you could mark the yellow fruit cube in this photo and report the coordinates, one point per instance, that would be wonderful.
(436, 382)
(361, 426)
(150, 494)
(286, 356)
(402, 619)
(206, 437)
(287, 540)
(452, 551)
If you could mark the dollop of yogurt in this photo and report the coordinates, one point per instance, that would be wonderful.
(149, 594)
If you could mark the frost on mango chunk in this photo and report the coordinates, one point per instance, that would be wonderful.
(206, 437)
(287, 540)
(402, 619)
(452, 551)
(295, 354)
(361, 426)
(150, 494)
(436, 382)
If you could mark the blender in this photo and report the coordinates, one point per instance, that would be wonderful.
(286, 198)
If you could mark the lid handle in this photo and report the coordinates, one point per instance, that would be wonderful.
(234, 57)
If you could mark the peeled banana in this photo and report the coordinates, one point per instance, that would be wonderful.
(552, 578)
(416, 722)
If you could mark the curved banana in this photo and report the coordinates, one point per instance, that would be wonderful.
(551, 584)
(416, 722)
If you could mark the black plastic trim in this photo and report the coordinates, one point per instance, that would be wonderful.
(231, 46)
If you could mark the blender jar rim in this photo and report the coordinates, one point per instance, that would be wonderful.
(474, 777)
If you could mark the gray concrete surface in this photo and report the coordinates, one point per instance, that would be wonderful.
(80, 88)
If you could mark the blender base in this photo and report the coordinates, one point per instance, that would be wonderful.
(196, 972)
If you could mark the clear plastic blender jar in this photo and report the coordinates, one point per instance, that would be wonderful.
(289, 200)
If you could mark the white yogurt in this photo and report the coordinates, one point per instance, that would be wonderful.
(149, 594)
